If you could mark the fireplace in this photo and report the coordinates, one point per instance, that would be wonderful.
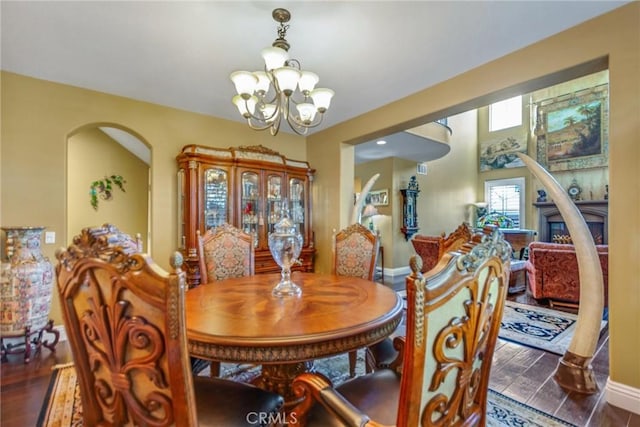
(552, 228)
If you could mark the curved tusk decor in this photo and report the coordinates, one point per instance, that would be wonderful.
(357, 207)
(574, 370)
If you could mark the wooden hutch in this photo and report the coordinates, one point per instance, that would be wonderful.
(244, 186)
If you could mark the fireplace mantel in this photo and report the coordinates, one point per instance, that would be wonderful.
(595, 213)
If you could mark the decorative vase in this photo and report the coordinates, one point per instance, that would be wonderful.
(26, 285)
(285, 244)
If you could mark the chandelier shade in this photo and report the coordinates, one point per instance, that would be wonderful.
(283, 91)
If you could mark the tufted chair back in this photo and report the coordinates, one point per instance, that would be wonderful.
(355, 252)
(225, 252)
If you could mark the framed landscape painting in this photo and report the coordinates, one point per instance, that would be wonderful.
(575, 131)
(501, 153)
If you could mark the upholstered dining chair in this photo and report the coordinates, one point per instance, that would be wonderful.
(125, 320)
(355, 254)
(224, 252)
(442, 374)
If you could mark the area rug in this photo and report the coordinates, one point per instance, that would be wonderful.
(62, 405)
(539, 327)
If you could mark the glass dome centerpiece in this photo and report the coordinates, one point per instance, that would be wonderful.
(285, 244)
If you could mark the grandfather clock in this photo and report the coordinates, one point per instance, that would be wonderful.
(409, 214)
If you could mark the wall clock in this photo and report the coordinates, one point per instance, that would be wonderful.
(409, 214)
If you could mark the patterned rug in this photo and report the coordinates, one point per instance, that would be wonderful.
(539, 327)
(62, 406)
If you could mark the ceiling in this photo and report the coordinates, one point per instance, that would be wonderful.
(180, 54)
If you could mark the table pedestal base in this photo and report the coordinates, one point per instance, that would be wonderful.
(278, 378)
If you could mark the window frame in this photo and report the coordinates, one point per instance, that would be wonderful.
(517, 181)
(508, 124)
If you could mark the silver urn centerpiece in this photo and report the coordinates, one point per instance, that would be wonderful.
(285, 244)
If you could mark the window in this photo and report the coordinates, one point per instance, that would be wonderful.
(506, 197)
(505, 114)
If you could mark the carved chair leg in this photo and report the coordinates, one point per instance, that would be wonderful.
(369, 361)
(353, 358)
(215, 369)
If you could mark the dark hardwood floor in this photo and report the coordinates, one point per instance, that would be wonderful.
(522, 373)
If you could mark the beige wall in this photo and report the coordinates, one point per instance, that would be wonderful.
(446, 192)
(610, 41)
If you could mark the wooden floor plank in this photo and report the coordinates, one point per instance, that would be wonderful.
(526, 385)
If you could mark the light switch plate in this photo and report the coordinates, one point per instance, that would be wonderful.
(49, 237)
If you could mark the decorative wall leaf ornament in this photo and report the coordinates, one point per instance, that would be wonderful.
(104, 188)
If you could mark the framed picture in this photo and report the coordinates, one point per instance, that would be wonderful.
(501, 153)
(573, 131)
(379, 197)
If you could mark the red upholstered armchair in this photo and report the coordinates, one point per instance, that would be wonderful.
(431, 248)
(552, 271)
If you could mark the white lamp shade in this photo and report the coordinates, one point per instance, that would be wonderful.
(322, 98)
(287, 78)
(244, 81)
(274, 57)
(308, 81)
(268, 112)
(245, 107)
(307, 112)
(369, 210)
(263, 82)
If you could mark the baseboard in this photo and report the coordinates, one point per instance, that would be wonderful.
(400, 271)
(391, 273)
(622, 396)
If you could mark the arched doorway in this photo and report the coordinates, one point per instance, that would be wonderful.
(100, 156)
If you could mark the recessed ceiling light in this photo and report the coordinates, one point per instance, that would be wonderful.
(381, 142)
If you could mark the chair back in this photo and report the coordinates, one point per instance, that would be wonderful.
(225, 252)
(124, 318)
(355, 252)
(453, 319)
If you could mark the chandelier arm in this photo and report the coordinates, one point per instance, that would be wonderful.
(295, 123)
(257, 127)
(291, 62)
(249, 115)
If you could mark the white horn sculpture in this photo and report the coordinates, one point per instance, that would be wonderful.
(357, 207)
(574, 370)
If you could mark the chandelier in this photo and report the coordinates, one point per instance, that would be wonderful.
(267, 97)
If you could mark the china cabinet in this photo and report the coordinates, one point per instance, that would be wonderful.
(245, 187)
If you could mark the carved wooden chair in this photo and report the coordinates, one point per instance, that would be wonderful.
(125, 320)
(381, 355)
(355, 254)
(442, 374)
(225, 252)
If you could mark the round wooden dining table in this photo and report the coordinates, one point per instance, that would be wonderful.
(239, 320)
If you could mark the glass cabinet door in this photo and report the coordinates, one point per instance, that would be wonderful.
(251, 215)
(216, 196)
(274, 199)
(297, 198)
